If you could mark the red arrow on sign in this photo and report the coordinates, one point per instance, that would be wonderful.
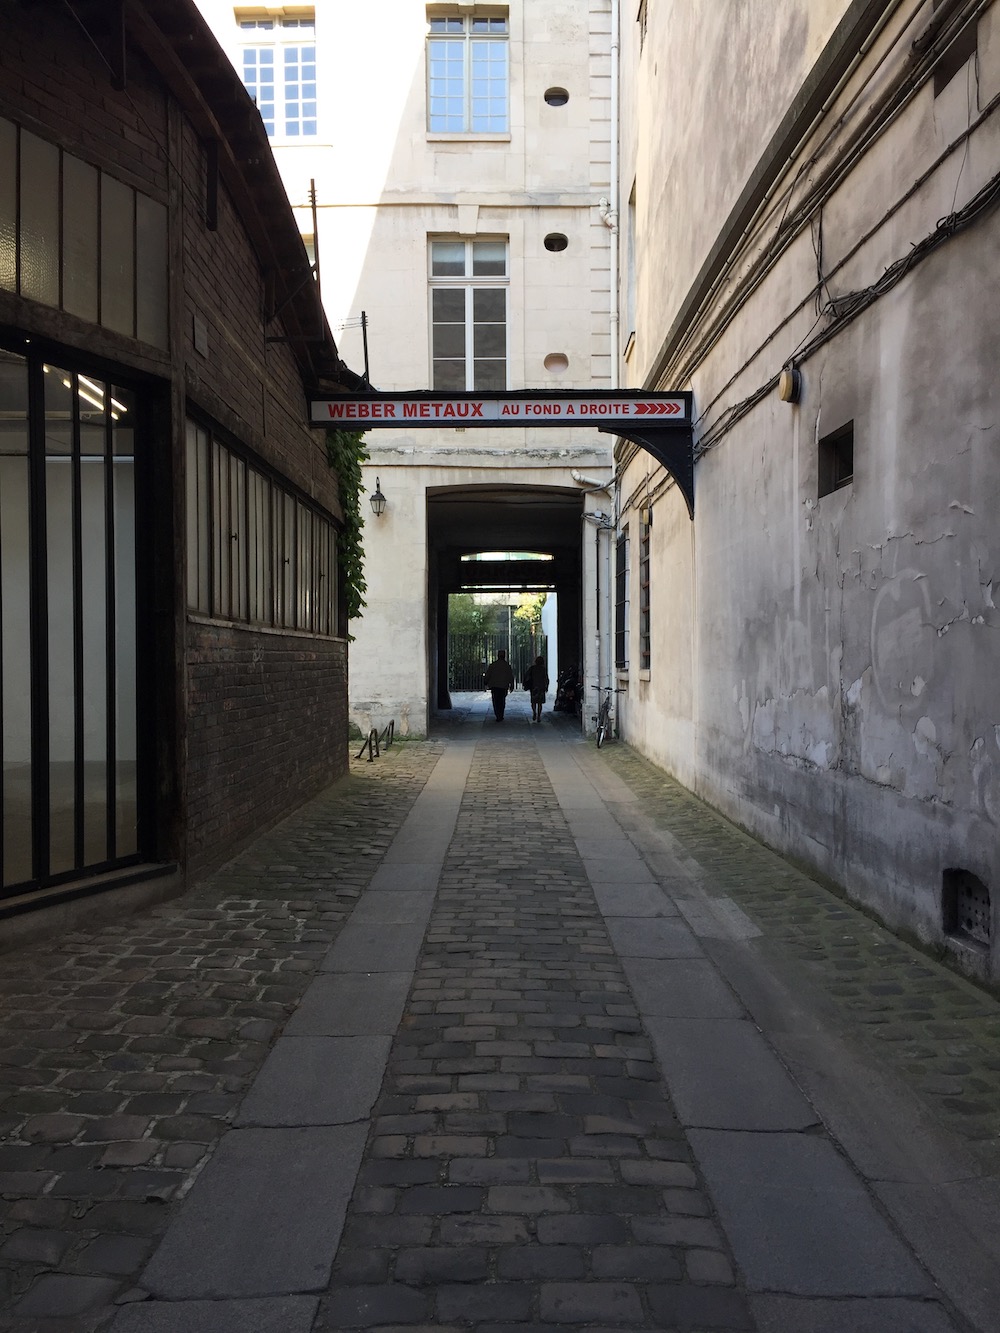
(654, 409)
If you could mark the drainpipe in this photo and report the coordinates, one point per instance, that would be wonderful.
(609, 207)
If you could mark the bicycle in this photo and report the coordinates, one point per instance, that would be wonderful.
(603, 715)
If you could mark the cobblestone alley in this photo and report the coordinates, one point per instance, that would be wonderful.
(502, 1033)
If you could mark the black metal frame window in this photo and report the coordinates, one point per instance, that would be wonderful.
(645, 642)
(256, 553)
(621, 600)
(75, 794)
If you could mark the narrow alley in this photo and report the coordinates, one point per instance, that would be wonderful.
(499, 1033)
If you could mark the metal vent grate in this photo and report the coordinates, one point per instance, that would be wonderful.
(966, 906)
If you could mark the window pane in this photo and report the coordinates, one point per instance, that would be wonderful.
(15, 620)
(489, 259)
(489, 305)
(449, 340)
(117, 256)
(448, 304)
(79, 258)
(448, 259)
(489, 374)
(40, 220)
(449, 375)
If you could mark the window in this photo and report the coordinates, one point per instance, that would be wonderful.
(255, 553)
(836, 459)
(645, 647)
(621, 601)
(467, 75)
(468, 281)
(279, 73)
(962, 46)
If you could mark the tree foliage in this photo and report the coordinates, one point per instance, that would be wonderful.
(345, 452)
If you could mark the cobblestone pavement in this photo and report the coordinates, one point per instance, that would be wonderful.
(939, 1033)
(525, 1168)
(124, 1052)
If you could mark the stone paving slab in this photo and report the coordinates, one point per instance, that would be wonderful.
(689, 988)
(380, 946)
(264, 1217)
(316, 1081)
(282, 1314)
(648, 900)
(800, 1220)
(787, 1314)
(351, 1004)
(723, 1075)
(641, 937)
(384, 905)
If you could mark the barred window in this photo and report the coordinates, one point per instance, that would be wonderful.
(255, 552)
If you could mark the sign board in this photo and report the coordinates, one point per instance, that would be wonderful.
(603, 410)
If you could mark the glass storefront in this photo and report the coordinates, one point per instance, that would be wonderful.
(69, 603)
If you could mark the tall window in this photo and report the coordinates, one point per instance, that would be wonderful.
(255, 553)
(621, 601)
(467, 75)
(468, 282)
(279, 72)
(645, 646)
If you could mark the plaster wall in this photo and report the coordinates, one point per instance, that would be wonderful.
(385, 186)
(824, 667)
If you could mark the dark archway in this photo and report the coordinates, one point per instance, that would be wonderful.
(465, 520)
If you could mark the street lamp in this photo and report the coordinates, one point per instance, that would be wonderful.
(378, 500)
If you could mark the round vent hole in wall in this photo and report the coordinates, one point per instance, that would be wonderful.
(556, 96)
(556, 363)
(555, 241)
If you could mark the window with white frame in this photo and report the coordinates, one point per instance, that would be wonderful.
(467, 73)
(468, 298)
(255, 553)
(279, 73)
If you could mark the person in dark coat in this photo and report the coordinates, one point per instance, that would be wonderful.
(499, 680)
(536, 682)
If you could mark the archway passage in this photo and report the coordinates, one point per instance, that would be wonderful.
(468, 520)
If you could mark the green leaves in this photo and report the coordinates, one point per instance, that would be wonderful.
(345, 452)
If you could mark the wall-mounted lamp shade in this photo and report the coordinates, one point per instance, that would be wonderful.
(378, 500)
(790, 385)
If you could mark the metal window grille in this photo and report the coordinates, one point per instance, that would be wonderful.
(645, 643)
(621, 601)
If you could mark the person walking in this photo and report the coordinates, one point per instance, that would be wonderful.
(499, 680)
(536, 682)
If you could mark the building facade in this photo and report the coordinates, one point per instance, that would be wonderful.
(466, 206)
(810, 243)
(174, 657)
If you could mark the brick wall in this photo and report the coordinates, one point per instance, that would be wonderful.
(267, 728)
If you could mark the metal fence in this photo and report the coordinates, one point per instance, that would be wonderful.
(470, 654)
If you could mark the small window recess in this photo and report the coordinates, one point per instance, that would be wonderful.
(555, 241)
(962, 47)
(965, 908)
(836, 460)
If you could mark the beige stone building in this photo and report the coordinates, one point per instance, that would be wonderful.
(810, 244)
(461, 159)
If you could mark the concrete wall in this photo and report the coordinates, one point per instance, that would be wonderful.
(824, 667)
